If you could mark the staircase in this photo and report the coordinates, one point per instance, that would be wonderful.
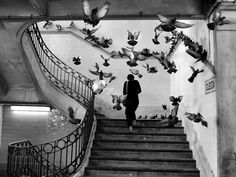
(150, 151)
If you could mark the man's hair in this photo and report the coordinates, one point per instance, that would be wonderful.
(130, 77)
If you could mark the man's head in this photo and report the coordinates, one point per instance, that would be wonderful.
(130, 77)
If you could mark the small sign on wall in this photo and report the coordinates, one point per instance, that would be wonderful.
(210, 85)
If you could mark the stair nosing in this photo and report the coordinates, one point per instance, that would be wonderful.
(108, 119)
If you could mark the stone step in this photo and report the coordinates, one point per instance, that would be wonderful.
(140, 144)
(139, 172)
(142, 130)
(142, 153)
(142, 163)
(140, 137)
(139, 123)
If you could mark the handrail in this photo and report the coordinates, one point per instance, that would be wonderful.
(65, 155)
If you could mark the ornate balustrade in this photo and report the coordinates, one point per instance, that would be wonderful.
(60, 158)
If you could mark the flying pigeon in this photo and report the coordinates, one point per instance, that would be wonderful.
(218, 20)
(194, 74)
(172, 118)
(105, 60)
(196, 118)
(132, 38)
(77, 60)
(136, 72)
(171, 67)
(101, 74)
(162, 58)
(176, 100)
(118, 100)
(146, 52)
(58, 27)
(88, 32)
(150, 69)
(169, 25)
(112, 78)
(96, 66)
(155, 39)
(164, 106)
(133, 56)
(47, 24)
(73, 120)
(105, 43)
(93, 16)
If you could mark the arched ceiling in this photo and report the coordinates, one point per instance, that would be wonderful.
(120, 9)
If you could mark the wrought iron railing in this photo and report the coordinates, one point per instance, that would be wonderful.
(60, 158)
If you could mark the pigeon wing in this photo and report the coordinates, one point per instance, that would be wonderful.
(104, 10)
(163, 19)
(94, 72)
(192, 68)
(172, 98)
(114, 98)
(136, 35)
(180, 98)
(106, 75)
(86, 8)
(182, 25)
(174, 111)
(134, 71)
(130, 35)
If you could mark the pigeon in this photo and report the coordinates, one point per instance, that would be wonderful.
(101, 74)
(154, 116)
(96, 66)
(112, 78)
(218, 20)
(155, 39)
(132, 38)
(164, 106)
(105, 60)
(169, 25)
(58, 27)
(118, 100)
(162, 58)
(150, 69)
(194, 74)
(47, 24)
(196, 118)
(72, 26)
(176, 100)
(105, 43)
(136, 72)
(88, 33)
(133, 56)
(146, 52)
(171, 67)
(93, 16)
(168, 39)
(139, 117)
(89, 81)
(116, 54)
(172, 118)
(73, 120)
(77, 60)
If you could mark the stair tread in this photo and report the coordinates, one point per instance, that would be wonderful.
(124, 119)
(131, 134)
(139, 141)
(143, 150)
(138, 159)
(112, 168)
